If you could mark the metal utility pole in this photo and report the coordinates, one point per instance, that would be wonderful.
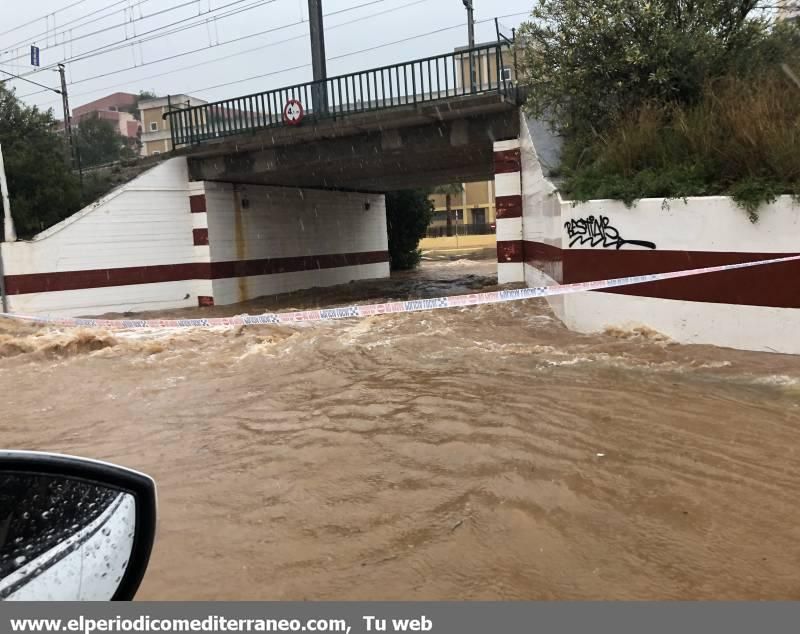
(318, 59)
(74, 151)
(67, 116)
(471, 34)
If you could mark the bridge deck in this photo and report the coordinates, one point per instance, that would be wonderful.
(442, 81)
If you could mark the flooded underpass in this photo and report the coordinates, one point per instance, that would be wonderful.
(476, 453)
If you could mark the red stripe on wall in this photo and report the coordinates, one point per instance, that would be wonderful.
(200, 237)
(508, 206)
(198, 204)
(771, 285)
(248, 268)
(507, 161)
(509, 251)
(101, 278)
(546, 258)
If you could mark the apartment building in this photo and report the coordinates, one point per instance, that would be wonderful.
(156, 134)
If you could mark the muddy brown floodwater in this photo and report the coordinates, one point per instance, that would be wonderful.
(478, 453)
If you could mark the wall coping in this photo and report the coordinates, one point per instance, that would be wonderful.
(114, 193)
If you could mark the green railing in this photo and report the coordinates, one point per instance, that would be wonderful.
(466, 72)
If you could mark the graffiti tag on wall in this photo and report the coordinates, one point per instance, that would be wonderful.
(599, 232)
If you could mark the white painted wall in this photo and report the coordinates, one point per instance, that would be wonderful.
(146, 222)
(508, 229)
(541, 205)
(712, 223)
(760, 328)
(289, 222)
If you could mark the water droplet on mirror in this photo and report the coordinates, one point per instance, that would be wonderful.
(20, 560)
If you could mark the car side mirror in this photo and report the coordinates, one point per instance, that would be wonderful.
(72, 529)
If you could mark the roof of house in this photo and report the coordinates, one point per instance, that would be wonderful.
(175, 100)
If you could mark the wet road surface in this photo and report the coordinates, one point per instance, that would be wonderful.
(477, 453)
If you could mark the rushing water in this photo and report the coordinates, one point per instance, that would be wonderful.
(478, 453)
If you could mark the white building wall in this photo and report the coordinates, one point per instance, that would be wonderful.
(710, 223)
(284, 223)
(145, 223)
(161, 242)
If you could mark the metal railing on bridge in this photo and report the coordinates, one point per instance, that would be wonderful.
(420, 81)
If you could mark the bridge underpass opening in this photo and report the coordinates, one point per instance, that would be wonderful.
(266, 208)
(345, 167)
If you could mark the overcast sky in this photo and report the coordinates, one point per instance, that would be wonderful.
(135, 66)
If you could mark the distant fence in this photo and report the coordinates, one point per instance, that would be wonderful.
(466, 72)
(461, 230)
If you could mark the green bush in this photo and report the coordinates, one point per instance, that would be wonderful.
(408, 214)
(741, 139)
(666, 98)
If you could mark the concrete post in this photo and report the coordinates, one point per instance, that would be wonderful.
(318, 59)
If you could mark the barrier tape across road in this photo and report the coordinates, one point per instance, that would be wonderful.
(369, 310)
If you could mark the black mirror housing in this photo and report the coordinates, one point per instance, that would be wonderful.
(56, 508)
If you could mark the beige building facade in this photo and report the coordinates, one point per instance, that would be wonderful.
(156, 133)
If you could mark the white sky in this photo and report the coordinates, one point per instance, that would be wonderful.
(130, 69)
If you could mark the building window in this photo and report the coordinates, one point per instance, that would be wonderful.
(154, 126)
(505, 73)
(154, 152)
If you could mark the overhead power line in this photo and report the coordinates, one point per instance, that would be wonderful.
(43, 17)
(238, 39)
(120, 44)
(81, 22)
(342, 56)
(35, 83)
(308, 65)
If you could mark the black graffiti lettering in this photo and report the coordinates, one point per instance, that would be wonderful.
(599, 232)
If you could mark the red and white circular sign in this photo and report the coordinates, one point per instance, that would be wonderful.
(293, 112)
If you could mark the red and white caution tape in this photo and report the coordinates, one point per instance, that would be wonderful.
(369, 310)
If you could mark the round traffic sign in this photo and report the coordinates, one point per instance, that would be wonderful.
(293, 112)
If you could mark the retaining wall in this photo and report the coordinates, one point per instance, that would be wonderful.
(756, 308)
(162, 242)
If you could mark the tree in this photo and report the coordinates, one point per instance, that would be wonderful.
(42, 189)
(142, 96)
(448, 191)
(100, 142)
(408, 214)
(666, 98)
(589, 61)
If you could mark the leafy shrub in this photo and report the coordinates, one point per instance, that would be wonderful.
(667, 98)
(408, 214)
(741, 139)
